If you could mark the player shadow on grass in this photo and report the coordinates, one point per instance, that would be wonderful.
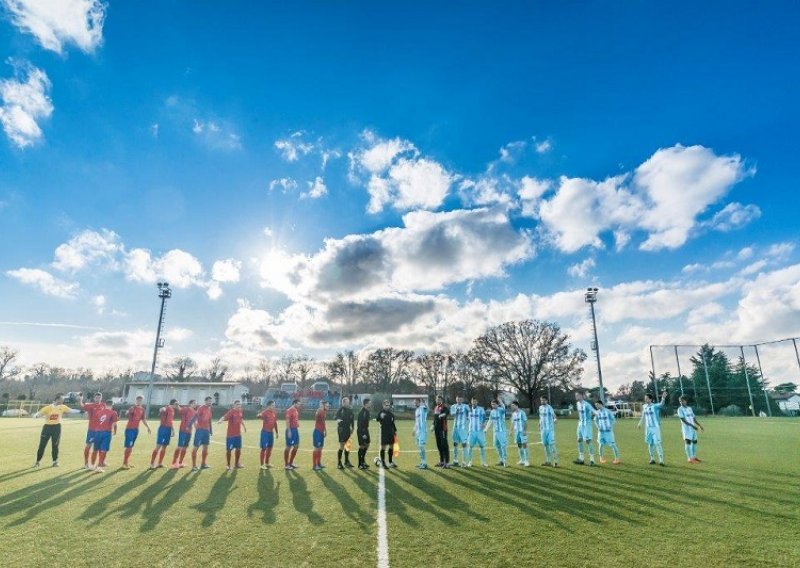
(99, 507)
(350, 506)
(301, 498)
(439, 497)
(144, 499)
(217, 497)
(44, 503)
(268, 498)
(399, 499)
(19, 473)
(156, 511)
(47, 487)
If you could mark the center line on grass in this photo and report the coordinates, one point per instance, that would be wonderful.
(383, 539)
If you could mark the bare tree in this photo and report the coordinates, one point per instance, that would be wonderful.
(8, 368)
(181, 369)
(265, 372)
(387, 367)
(434, 371)
(347, 369)
(286, 369)
(527, 355)
(468, 371)
(216, 370)
(306, 367)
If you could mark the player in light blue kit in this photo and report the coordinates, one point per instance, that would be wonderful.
(460, 412)
(585, 412)
(519, 421)
(477, 434)
(651, 416)
(689, 427)
(547, 430)
(497, 419)
(421, 431)
(604, 419)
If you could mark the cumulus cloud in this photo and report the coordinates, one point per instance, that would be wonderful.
(178, 267)
(285, 184)
(543, 147)
(85, 248)
(45, 282)
(25, 102)
(296, 146)
(227, 270)
(734, 216)
(252, 328)
(396, 175)
(316, 189)
(663, 197)
(581, 269)
(55, 23)
(431, 251)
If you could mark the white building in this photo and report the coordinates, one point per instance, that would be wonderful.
(789, 403)
(224, 393)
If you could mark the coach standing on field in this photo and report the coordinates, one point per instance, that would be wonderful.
(51, 431)
(344, 429)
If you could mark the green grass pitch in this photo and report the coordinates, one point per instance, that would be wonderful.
(739, 507)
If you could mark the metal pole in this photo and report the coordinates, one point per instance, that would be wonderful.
(763, 384)
(653, 367)
(164, 293)
(680, 376)
(796, 354)
(597, 354)
(708, 381)
(747, 380)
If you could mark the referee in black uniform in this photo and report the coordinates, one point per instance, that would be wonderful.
(388, 431)
(362, 432)
(344, 428)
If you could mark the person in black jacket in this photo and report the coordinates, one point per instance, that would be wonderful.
(388, 431)
(440, 413)
(344, 428)
(362, 432)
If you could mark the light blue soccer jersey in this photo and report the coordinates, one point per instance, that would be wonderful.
(652, 415)
(605, 420)
(421, 421)
(686, 413)
(498, 418)
(547, 418)
(519, 421)
(461, 414)
(584, 413)
(477, 418)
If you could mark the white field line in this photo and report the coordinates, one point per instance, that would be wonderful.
(335, 448)
(383, 538)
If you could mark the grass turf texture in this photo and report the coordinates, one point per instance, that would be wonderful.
(738, 507)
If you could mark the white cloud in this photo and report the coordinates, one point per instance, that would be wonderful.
(734, 216)
(216, 136)
(285, 184)
(530, 193)
(398, 176)
(227, 270)
(663, 197)
(99, 302)
(268, 232)
(25, 102)
(293, 147)
(543, 147)
(252, 328)
(45, 282)
(154, 130)
(316, 189)
(57, 22)
(87, 247)
(581, 269)
(179, 268)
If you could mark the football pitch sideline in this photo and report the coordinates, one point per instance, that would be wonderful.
(738, 507)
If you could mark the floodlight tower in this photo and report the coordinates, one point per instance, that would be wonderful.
(165, 294)
(590, 298)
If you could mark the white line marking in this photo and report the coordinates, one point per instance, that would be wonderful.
(383, 539)
(335, 448)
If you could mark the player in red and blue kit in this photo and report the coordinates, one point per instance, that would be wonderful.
(167, 416)
(202, 433)
(233, 442)
(106, 423)
(135, 415)
(187, 414)
(318, 436)
(292, 434)
(91, 408)
(269, 430)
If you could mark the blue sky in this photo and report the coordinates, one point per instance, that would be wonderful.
(466, 163)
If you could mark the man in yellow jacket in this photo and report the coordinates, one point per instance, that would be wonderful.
(51, 431)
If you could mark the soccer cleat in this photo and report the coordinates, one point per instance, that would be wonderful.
(90, 467)
(578, 462)
(87, 466)
(229, 468)
(195, 468)
(652, 462)
(662, 464)
(555, 464)
(485, 464)
(36, 464)
(617, 461)
(181, 465)
(264, 466)
(152, 466)
(205, 466)
(174, 466)
(125, 466)
(422, 466)
(520, 462)
(526, 464)
(455, 463)
(348, 465)
(288, 467)
(591, 464)
(393, 465)
(446, 466)
(503, 464)
(603, 460)
(339, 466)
(316, 468)
(99, 470)
(469, 464)
(55, 463)
(696, 460)
(239, 466)
(546, 464)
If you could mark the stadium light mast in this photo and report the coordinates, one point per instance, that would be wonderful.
(165, 294)
(590, 298)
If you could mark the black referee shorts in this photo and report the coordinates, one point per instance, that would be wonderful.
(344, 434)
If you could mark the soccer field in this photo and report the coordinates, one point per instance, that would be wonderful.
(740, 506)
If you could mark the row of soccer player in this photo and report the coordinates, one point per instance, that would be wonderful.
(469, 428)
